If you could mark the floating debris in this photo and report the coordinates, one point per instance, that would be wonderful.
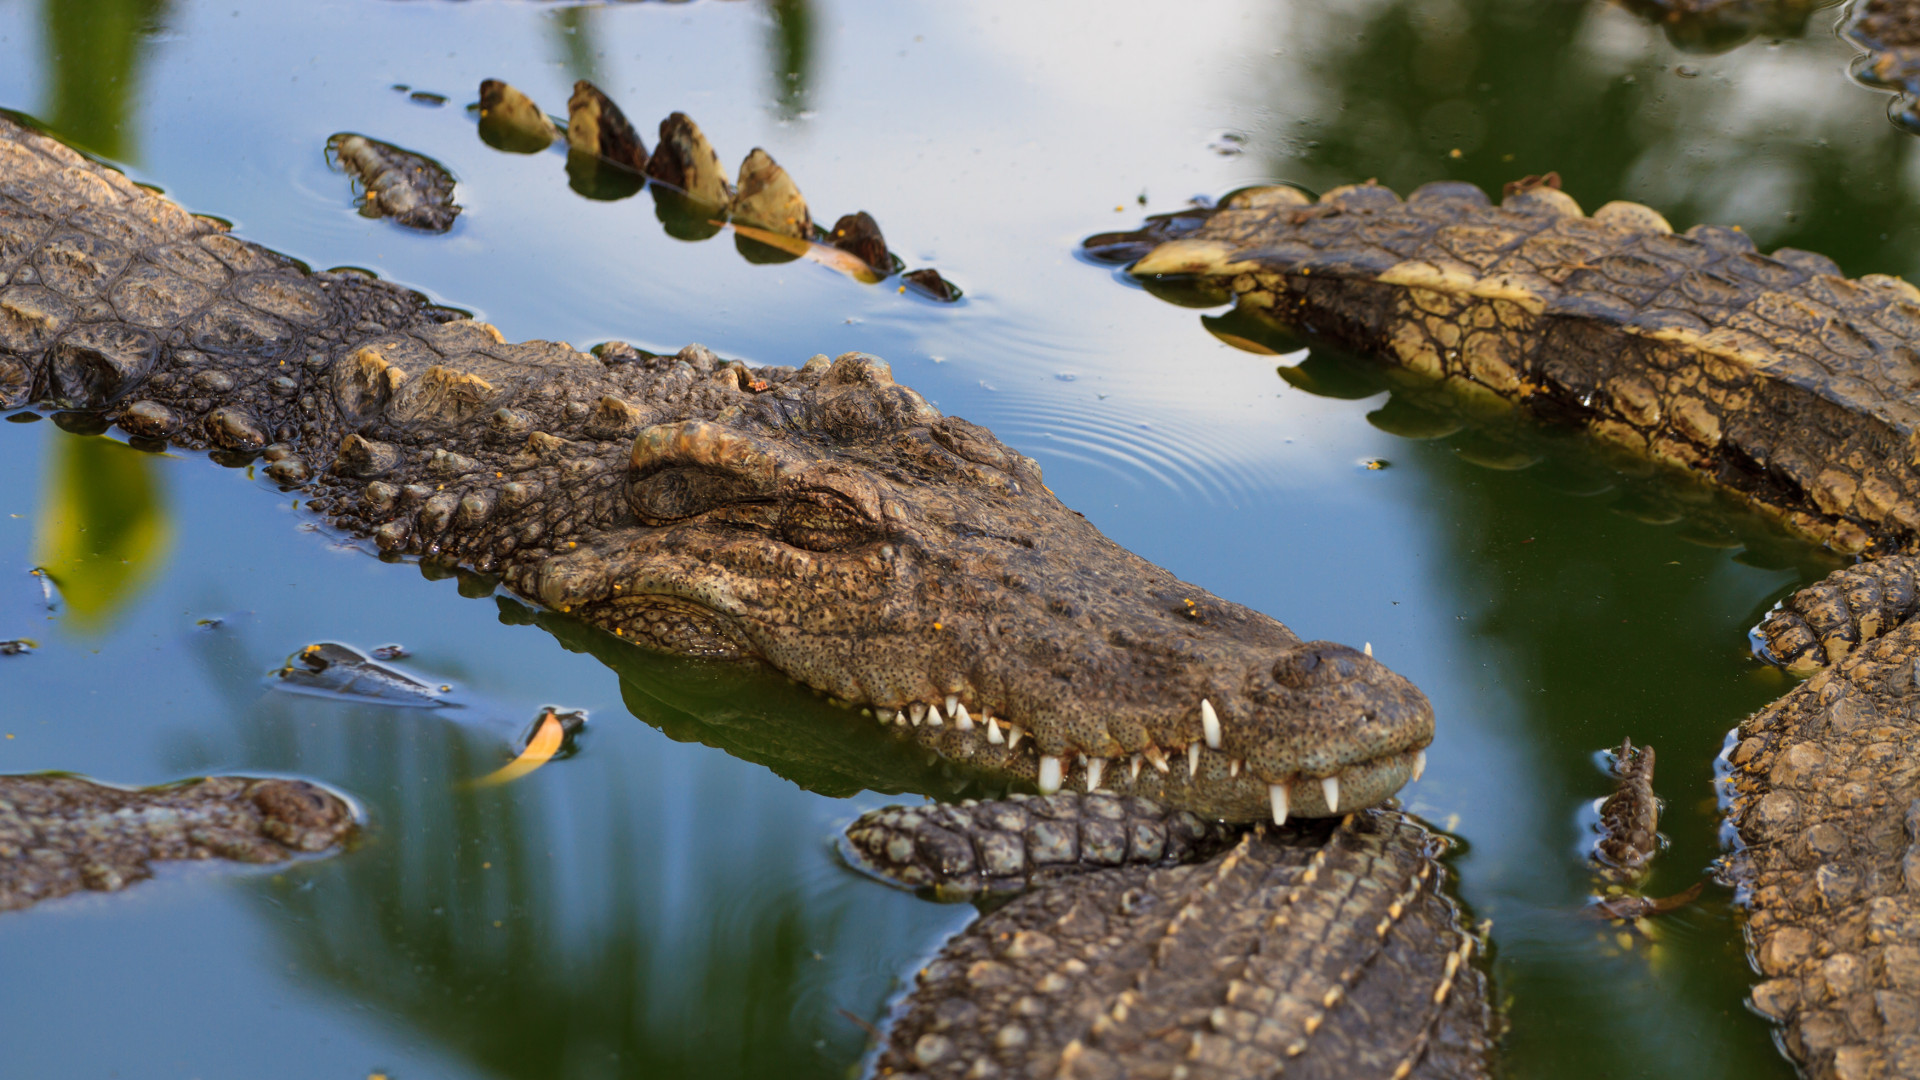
(930, 284)
(510, 121)
(413, 190)
(391, 652)
(18, 646)
(86, 835)
(554, 734)
(330, 669)
(597, 128)
(1631, 906)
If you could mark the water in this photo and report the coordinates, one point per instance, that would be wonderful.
(666, 903)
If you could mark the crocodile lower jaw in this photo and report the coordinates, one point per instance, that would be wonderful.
(1197, 777)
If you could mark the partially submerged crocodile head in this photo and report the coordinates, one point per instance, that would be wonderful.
(911, 564)
(819, 518)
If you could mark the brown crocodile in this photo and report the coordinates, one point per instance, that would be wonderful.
(1889, 32)
(1321, 949)
(60, 834)
(821, 519)
(1773, 377)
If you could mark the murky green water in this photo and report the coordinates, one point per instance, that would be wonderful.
(667, 903)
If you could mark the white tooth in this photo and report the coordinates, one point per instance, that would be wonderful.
(1278, 794)
(1014, 734)
(961, 718)
(1133, 769)
(885, 715)
(993, 732)
(1210, 724)
(1419, 764)
(933, 716)
(1233, 767)
(918, 711)
(1158, 757)
(953, 702)
(1369, 648)
(900, 718)
(1193, 759)
(1330, 787)
(1095, 766)
(1049, 774)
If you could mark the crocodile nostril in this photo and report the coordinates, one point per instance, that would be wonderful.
(1318, 663)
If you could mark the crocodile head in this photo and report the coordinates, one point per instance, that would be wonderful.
(911, 565)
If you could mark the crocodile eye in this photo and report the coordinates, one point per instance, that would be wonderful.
(678, 493)
(1318, 663)
(824, 521)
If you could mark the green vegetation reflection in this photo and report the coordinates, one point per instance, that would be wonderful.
(95, 51)
(103, 530)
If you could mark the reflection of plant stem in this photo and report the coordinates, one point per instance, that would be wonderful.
(94, 50)
(103, 531)
(790, 49)
(573, 27)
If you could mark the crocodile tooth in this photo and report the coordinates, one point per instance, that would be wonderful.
(1277, 793)
(1330, 787)
(1157, 757)
(1419, 764)
(1095, 766)
(1013, 736)
(961, 718)
(933, 716)
(1193, 759)
(993, 732)
(918, 712)
(1233, 767)
(1133, 769)
(1210, 724)
(885, 715)
(1369, 648)
(953, 703)
(1049, 774)
(900, 718)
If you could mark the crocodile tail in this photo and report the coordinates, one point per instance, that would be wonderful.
(1821, 623)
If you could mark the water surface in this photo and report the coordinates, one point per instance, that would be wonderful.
(667, 903)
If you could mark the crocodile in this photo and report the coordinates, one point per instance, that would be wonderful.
(1888, 32)
(821, 519)
(1772, 377)
(1322, 949)
(60, 834)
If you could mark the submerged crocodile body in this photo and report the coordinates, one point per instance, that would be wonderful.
(1321, 950)
(1771, 376)
(821, 518)
(60, 834)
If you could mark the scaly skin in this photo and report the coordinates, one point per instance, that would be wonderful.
(1630, 817)
(60, 834)
(1322, 950)
(1825, 793)
(1889, 31)
(959, 851)
(821, 519)
(1771, 376)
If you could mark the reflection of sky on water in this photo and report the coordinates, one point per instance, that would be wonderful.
(663, 900)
